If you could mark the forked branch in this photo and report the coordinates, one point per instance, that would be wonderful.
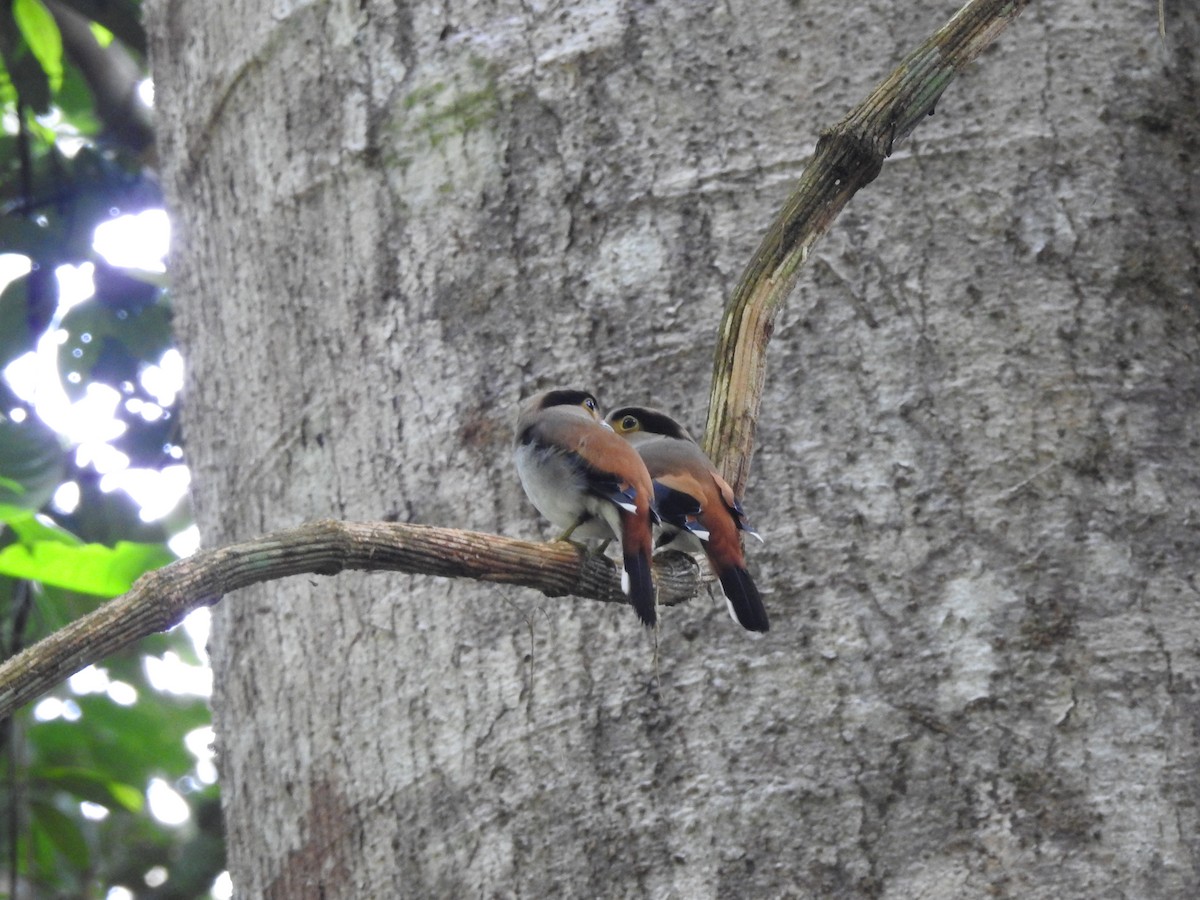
(849, 155)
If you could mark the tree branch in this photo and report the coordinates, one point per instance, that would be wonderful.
(122, 17)
(112, 75)
(159, 600)
(848, 157)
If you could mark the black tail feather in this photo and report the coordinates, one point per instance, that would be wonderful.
(745, 603)
(639, 585)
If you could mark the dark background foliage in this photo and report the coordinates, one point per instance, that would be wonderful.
(76, 151)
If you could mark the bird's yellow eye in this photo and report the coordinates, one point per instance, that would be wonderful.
(629, 423)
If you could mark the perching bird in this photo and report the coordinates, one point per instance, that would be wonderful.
(696, 505)
(589, 482)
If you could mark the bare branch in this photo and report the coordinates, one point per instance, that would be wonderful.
(112, 74)
(122, 17)
(160, 599)
(848, 156)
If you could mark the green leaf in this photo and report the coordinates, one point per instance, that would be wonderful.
(130, 744)
(8, 98)
(118, 340)
(20, 235)
(16, 338)
(26, 73)
(30, 529)
(33, 456)
(74, 99)
(41, 33)
(27, 305)
(122, 17)
(90, 568)
(63, 832)
(91, 785)
(103, 36)
(44, 854)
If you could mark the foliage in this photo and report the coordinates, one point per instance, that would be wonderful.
(66, 166)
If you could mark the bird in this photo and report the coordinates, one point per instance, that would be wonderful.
(696, 506)
(589, 482)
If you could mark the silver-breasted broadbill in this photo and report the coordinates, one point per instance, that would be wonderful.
(590, 483)
(696, 506)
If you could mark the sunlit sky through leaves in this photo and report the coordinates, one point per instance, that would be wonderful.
(89, 425)
(137, 242)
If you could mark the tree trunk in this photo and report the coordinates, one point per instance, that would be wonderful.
(978, 470)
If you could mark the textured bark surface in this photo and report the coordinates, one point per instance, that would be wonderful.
(977, 471)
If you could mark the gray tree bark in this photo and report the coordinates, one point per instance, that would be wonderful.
(977, 471)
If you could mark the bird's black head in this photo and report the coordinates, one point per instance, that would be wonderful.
(633, 419)
(570, 397)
